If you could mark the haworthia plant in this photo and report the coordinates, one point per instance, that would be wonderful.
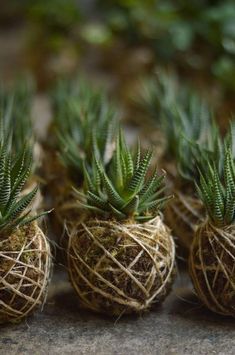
(15, 207)
(177, 110)
(218, 192)
(124, 191)
(15, 107)
(210, 149)
(85, 121)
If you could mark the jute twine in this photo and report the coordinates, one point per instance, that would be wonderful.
(121, 268)
(212, 267)
(25, 264)
(183, 215)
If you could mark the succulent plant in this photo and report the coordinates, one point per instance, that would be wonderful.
(178, 111)
(14, 208)
(124, 191)
(156, 93)
(16, 105)
(186, 211)
(195, 139)
(192, 153)
(212, 253)
(210, 149)
(190, 119)
(112, 258)
(83, 120)
(218, 192)
(24, 250)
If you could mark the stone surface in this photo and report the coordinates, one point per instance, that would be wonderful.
(180, 326)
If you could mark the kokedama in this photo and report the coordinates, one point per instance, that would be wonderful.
(212, 255)
(121, 259)
(24, 250)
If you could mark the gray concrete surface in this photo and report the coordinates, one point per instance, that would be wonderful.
(180, 326)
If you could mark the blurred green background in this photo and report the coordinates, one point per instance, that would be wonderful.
(121, 40)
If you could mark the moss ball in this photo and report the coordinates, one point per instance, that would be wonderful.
(24, 272)
(119, 268)
(212, 267)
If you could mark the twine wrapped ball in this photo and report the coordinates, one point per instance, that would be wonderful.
(25, 262)
(119, 268)
(212, 267)
(183, 214)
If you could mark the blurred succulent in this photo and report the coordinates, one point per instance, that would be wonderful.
(190, 117)
(192, 153)
(16, 105)
(156, 93)
(177, 110)
(84, 121)
(210, 150)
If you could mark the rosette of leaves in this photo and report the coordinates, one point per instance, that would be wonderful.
(83, 119)
(16, 123)
(16, 105)
(124, 192)
(112, 258)
(191, 136)
(157, 92)
(176, 111)
(24, 249)
(212, 253)
(208, 147)
(185, 213)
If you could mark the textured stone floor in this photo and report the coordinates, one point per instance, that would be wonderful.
(180, 326)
